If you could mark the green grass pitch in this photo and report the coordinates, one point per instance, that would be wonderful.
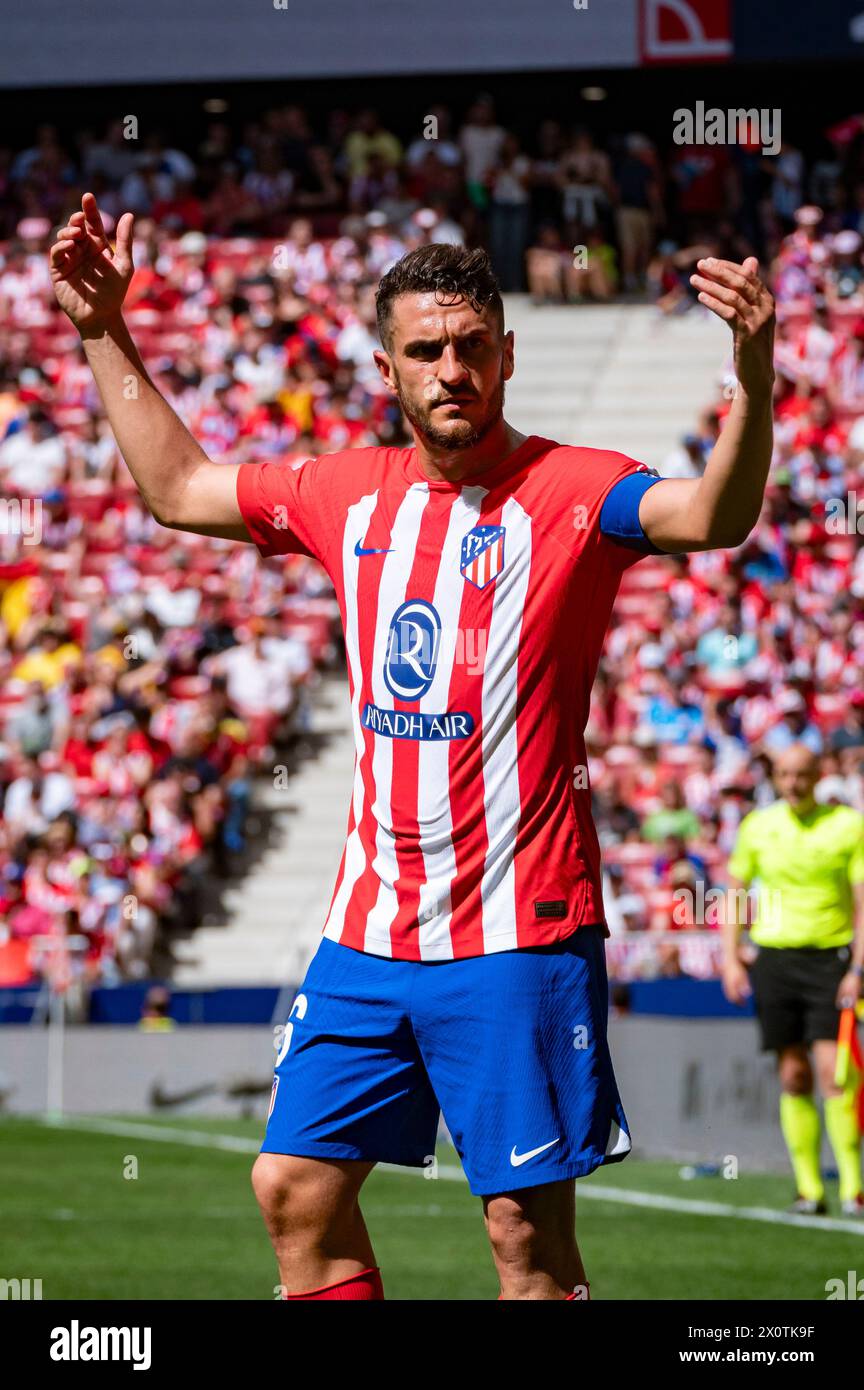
(187, 1226)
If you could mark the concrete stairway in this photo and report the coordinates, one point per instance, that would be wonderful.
(274, 916)
(615, 377)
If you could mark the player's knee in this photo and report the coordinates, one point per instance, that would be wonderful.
(284, 1187)
(514, 1238)
(267, 1183)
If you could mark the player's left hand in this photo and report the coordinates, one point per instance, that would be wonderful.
(849, 991)
(735, 293)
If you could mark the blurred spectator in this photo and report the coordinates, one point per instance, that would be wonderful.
(368, 143)
(438, 142)
(509, 212)
(687, 461)
(33, 458)
(481, 140)
(639, 210)
(156, 1011)
(673, 817)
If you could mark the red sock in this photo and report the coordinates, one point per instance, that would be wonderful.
(570, 1297)
(366, 1285)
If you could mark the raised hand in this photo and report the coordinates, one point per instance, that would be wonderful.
(90, 278)
(735, 293)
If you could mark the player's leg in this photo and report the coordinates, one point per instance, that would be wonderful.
(532, 1234)
(350, 1090)
(312, 1213)
(538, 1106)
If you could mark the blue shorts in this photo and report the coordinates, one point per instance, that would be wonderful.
(511, 1047)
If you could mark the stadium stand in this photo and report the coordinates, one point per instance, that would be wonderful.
(146, 679)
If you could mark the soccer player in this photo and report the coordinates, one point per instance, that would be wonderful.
(463, 963)
(809, 863)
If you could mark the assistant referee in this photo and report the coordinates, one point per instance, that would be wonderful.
(808, 862)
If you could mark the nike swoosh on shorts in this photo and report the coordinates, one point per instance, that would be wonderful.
(517, 1160)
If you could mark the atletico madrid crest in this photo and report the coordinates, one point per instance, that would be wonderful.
(482, 555)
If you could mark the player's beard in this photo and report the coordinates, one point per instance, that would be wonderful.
(461, 434)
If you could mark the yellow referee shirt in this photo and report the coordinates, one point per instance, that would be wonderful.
(804, 869)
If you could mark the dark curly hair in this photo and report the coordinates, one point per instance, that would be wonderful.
(449, 272)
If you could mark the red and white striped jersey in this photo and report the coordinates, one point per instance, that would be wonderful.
(474, 617)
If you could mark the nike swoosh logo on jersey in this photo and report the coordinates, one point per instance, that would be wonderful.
(516, 1160)
(360, 550)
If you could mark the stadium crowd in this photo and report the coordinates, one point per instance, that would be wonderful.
(529, 189)
(717, 662)
(145, 680)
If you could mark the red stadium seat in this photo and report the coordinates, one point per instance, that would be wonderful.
(88, 500)
(188, 687)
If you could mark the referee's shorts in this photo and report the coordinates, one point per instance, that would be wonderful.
(795, 992)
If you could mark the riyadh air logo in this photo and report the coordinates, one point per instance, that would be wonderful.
(482, 557)
(412, 650)
(413, 644)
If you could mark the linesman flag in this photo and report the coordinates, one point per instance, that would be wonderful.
(849, 1071)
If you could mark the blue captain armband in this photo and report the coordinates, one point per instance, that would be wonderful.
(619, 515)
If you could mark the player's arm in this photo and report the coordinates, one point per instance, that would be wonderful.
(181, 486)
(722, 507)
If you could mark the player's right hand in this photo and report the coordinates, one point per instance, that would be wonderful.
(735, 981)
(90, 278)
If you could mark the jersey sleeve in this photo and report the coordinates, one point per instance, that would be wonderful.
(285, 508)
(619, 514)
(610, 486)
(743, 860)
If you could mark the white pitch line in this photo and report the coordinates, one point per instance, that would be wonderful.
(693, 1207)
(131, 1129)
(594, 1192)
